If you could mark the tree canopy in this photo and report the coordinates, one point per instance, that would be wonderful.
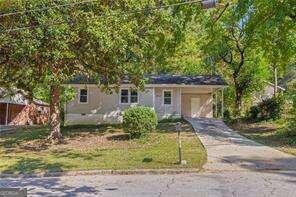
(243, 41)
(46, 43)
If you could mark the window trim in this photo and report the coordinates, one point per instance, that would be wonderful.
(171, 91)
(87, 95)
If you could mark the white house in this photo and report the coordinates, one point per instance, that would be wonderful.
(169, 95)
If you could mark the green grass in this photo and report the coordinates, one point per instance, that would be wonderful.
(268, 133)
(98, 147)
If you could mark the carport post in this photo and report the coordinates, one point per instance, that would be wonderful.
(6, 114)
(222, 103)
(216, 103)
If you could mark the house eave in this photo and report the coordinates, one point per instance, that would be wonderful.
(185, 85)
(156, 85)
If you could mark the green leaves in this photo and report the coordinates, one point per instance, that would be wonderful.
(51, 43)
(231, 45)
(139, 120)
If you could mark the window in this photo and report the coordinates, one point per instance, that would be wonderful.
(134, 96)
(83, 96)
(124, 96)
(128, 96)
(167, 97)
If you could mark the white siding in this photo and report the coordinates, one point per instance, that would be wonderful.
(101, 107)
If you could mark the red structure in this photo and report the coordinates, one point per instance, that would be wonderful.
(9, 111)
(17, 110)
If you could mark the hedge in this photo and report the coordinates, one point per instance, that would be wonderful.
(139, 120)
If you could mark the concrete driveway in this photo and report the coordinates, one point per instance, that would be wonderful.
(229, 151)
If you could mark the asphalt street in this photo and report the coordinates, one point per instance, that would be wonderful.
(207, 184)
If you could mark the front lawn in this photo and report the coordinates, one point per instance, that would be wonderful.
(267, 133)
(98, 148)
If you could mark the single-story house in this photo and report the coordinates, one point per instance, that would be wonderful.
(15, 109)
(169, 95)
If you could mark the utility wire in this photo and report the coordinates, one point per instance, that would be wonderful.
(107, 15)
(91, 1)
(46, 8)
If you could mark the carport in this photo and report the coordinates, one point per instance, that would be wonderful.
(202, 102)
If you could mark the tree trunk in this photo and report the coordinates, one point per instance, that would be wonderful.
(238, 104)
(275, 81)
(55, 121)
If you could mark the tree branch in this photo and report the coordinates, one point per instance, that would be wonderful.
(223, 57)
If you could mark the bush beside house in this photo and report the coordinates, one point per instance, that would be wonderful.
(139, 120)
(290, 129)
(270, 108)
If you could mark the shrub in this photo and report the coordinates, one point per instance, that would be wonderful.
(139, 120)
(254, 112)
(227, 116)
(270, 108)
(290, 128)
(274, 107)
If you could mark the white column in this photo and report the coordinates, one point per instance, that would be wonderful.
(215, 94)
(222, 103)
(6, 115)
(153, 98)
(180, 101)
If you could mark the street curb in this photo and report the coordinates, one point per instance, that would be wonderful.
(102, 172)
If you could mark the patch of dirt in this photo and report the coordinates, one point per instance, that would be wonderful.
(87, 139)
(92, 141)
(36, 145)
(83, 141)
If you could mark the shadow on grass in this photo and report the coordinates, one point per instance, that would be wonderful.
(73, 155)
(119, 137)
(23, 135)
(170, 127)
(74, 130)
(267, 134)
(33, 165)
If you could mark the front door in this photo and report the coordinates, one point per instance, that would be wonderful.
(195, 107)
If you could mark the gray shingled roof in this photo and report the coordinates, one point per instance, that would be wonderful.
(186, 80)
(164, 79)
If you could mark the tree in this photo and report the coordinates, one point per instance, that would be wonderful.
(41, 53)
(188, 58)
(102, 39)
(274, 24)
(236, 53)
